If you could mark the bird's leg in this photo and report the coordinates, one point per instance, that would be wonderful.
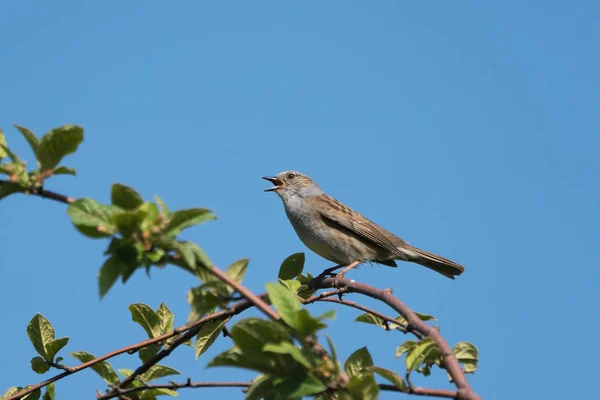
(329, 271)
(340, 275)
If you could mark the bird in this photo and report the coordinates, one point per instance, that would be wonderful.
(339, 234)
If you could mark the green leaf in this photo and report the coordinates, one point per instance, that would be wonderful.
(55, 346)
(375, 320)
(104, 369)
(291, 284)
(285, 302)
(287, 348)
(11, 390)
(158, 371)
(147, 318)
(363, 387)
(35, 395)
(202, 260)
(166, 318)
(130, 222)
(358, 361)
(109, 273)
(416, 356)
(8, 188)
(125, 197)
(202, 302)
(41, 333)
(405, 347)
(49, 394)
(425, 317)
(251, 334)
(152, 393)
(208, 334)
(291, 266)
(235, 358)
(299, 383)
(2, 145)
(163, 206)
(392, 377)
(91, 218)
(183, 219)
(58, 143)
(306, 324)
(6, 151)
(262, 386)
(333, 353)
(30, 137)
(38, 365)
(146, 353)
(468, 355)
(64, 171)
(237, 270)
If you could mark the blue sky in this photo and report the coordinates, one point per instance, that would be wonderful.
(468, 129)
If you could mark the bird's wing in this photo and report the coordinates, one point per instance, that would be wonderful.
(336, 212)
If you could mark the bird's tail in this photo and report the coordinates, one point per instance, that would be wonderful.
(433, 261)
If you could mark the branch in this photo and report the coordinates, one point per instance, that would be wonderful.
(46, 194)
(450, 362)
(325, 296)
(418, 391)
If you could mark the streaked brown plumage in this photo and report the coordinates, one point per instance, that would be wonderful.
(340, 234)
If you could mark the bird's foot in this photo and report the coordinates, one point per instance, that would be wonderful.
(337, 278)
(329, 272)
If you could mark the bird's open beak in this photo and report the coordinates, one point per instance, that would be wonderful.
(277, 182)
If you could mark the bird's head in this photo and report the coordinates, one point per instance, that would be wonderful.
(292, 183)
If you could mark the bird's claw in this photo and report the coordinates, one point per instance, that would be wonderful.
(336, 279)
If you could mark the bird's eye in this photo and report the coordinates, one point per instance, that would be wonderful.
(291, 176)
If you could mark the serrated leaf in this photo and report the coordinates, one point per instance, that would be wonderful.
(158, 371)
(166, 318)
(416, 355)
(285, 302)
(91, 218)
(104, 369)
(64, 171)
(287, 348)
(391, 376)
(40, 332)
(125, 197)
(49, 393)
(109, 273)
(147, 318)
(358, 361)
(237, 270)
(8, 188)
(30, 137)
(38, 365)
(183, 219)
(56, 144)
(291, 266)
(405, 347)
(207, 335)
(55, 346)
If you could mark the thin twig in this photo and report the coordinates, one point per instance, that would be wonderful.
(46, 194)
(450, 362)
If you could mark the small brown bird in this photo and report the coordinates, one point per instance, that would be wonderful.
(339, 234)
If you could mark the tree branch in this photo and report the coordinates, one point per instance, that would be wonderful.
(450, 362)
(418, 391)
(46, 194)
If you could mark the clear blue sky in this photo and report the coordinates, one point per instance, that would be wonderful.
(470, 129)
